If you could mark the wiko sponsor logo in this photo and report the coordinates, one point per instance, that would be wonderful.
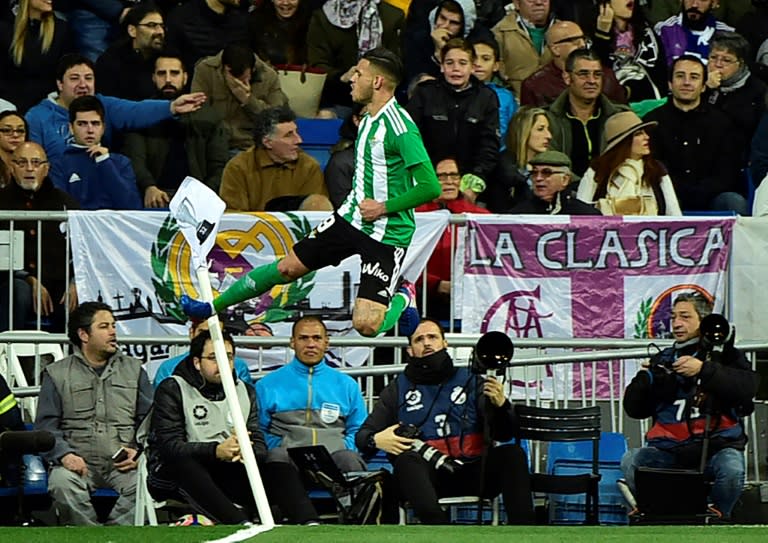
(375, 271)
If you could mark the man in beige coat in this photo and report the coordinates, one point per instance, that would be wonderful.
(275, 174)
(521, 37)
(238, 85)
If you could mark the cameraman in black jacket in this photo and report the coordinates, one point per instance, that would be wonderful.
(430, 421)
(685, 388)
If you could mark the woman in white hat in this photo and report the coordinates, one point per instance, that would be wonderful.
(625, 179)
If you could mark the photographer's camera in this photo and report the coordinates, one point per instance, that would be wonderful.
(434, 457)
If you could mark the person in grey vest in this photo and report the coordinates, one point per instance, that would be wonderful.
(194, 453)
(92, 402)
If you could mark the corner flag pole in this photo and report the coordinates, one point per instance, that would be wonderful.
(198, 210)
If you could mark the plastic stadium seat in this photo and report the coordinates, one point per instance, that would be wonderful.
(569, 426)
(318, 136)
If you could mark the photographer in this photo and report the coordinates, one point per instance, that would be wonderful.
(443, 409)
(686, 388)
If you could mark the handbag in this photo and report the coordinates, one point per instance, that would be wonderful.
(303, 86)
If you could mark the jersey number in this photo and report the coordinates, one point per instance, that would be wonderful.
(681, 410)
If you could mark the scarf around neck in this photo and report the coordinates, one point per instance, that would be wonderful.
(363, 13)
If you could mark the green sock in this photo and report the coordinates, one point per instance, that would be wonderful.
(395, 309)
(255, 283)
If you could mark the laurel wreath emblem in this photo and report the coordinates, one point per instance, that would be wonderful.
(163, 280)
(641, 319)
(294, 292)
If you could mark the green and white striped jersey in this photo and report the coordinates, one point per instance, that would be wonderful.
(387, 145)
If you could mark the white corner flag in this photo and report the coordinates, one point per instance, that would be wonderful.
(198, 210)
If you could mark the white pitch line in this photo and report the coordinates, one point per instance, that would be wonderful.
(242, 535)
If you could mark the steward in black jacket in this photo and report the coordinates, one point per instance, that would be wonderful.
(193, 451)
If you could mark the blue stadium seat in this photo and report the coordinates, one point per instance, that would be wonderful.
(318, 136)
(613, 445)
(571, 458)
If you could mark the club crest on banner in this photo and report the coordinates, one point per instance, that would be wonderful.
(654, 315)
(229, 259)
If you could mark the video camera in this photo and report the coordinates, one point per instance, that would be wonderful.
(434, 458)
(492, 354)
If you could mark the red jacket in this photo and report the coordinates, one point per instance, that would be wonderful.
(439, 265)
(545, 85)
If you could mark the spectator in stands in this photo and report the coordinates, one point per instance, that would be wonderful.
(202, 28)
(341, 165)
(439, 267)
(197, 327)
(308, 402)
(73, 395)
(626, 42)
(578, 116)
(528, 136)
(732, 88)
(94, 25)
(758, 158)
(486, 69)
(340, 33)
(278, 31)
(427, 32)
(447, 405)
(521, 36)
(125, 69)
(31, 46)
(195, 144)
(685, 388)
(194, 452)
(551, 192)
(239, 85)
(458, 116)
(547, 83)
(49, 120)
(13, 132)
(88, 171)
(696, 142)
(625, 179)
(754, 27)
(275, 174)
(32, 190)
(690, 30)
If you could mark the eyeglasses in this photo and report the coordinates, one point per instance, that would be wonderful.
(212, 357)
(7, 131)
(545, 172)
(575, 39)
(585, 74)
(33, 162)
(449, 175)
(153, 26)
(722, 60)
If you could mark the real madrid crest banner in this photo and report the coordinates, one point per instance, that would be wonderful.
(140, 264)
